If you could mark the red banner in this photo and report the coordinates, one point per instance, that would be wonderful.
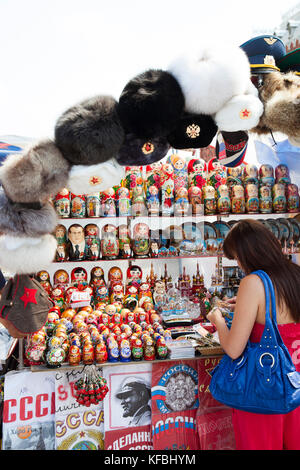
(137, 438)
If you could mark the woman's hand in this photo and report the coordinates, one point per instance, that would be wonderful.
(231, 302)
(215, 316)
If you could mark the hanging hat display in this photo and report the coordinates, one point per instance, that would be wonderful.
(192, 131)
(137, 151)
(150, 104)
(211, 76)
(88, 179)
(90, 132)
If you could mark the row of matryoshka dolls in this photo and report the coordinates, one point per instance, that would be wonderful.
(229, 190)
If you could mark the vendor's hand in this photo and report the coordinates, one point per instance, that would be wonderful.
(231, 301)
(214, 316)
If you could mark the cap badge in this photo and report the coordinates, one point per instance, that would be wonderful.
(29, 296)
(95, 180)
(193, 131)
(147, 148)
(269, 60)
(245, 114)
(270, 40)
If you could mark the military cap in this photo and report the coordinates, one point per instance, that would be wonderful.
(263, 53)
(290, 62)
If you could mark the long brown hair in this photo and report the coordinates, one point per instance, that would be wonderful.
(255, 246)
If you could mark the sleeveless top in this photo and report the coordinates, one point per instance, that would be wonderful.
(290, 334)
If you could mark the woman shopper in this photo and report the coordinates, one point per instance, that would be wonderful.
(254, 247)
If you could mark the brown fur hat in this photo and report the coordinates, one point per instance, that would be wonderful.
(36, 174)
(280, 95)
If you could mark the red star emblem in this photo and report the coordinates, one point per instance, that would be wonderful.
(28, 296)
(95, 180)
(245, 113)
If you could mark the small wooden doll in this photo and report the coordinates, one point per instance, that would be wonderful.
(109, 242)
(43, 277)
(123, 202)
(93, 205)
(292, 196)
(167, 190)
(197, 173)
(238, 205)
(223, 202)
(180, 172)
(195, 199)
(78, 206)
(234, 177)
(62, 203)
(124, 241)
(279, 198)
(209, 200)
(108, 203)
(217, 173)
(61, 279)
(92, 242)
(141, 240)
(250, 175)
(138, 201)
(61, 238)
(266, 175)
(282, 174)
(79, 278)
(153, 200)
(181, 204)
(252, 201)
(265, 199)
(115, 276)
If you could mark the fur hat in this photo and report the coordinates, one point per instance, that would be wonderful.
(36, 174)
(90, 132)
(211, 77)
(241, 113)
(29, 220)
(280, 95)
(141, 152)
(193, 131)
(95, 178)
(20, 255)
(150, 104)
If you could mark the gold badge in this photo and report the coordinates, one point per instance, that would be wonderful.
(269, 60)
(193, 131)
(147, 148)
(95, 180)
(270, 41)
(245, 113)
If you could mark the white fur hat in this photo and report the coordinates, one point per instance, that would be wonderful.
(241, 113)
(85, 179)
(19, 255)
(211, 77)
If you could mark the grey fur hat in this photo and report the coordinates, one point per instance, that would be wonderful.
(28, 220)
(36, 174)
(90, 132)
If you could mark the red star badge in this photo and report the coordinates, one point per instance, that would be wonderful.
(245, 113)
(28, 296)
(95, 180)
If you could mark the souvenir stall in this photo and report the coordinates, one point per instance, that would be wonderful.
(115, 272)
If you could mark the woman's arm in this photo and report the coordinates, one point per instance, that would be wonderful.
(234, 340)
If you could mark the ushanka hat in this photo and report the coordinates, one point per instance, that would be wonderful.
(90, 132)
(150, 104)
(263, 53)
(192, 131)
(95, 178)
(290, 62)
(136, 151)
(24, 304)
(36, 174)
(231, 148)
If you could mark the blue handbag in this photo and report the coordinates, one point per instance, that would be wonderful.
(263, 379)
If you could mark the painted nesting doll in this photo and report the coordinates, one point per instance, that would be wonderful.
(92, 242)
(108, 203)
(78, 206)
(123, 202)
(252, 201)
(197, 173)
(266, 175)
(93, 205)
(62, 203)
(279, 198)
(209, 200)
(167, 190)
(61, 238)
(282, 174)
(109, 242)
(141, 240)
(292, 197)
(238, 205)
(265, 199)
(223, 199)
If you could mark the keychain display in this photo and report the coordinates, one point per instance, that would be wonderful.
(92, 388)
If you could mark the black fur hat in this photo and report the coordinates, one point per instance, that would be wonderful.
(140, 152)
(90, 132)
(150, 104)
(193, 131)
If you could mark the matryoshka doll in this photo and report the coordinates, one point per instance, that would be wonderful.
(217, 173)
(292, 196)
(117, 294)
(252, 201)
(266, 174)
(195, 199)
(62, 203)
(133, 177)
(234, 177)
(93, 205)
(250, 175)
(223, 202)
(167, 190)
(97, 277)
(181, 205)
(134, 274)
(141, 240)
(109, 242)
(279, 198)
(108, 203)
(152, 200)
(265, 199)
(153, 177)
(115, 276)
(79, 278)
(43, 277)
(78, 206)
(61, 279)
(92, 242)
(197, 173)
(180, 172)
(138, 201)
(61, 239)
(100, 294)
(124, 241)
(209, 200)
(238, 205)
(282, 174)
(123, 202)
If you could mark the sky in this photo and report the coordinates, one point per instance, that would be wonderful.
(55, 53)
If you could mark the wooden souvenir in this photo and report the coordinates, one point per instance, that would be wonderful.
(76, 243)
(100, 293)
(266, 175)
(197, 173)
(134, 274)
(78, 206)
(279, 198)
(138, 201)
(265, 199)
(109, 242)
(209, 200)
(62, 203)
(195, 199)
(108, 203)
(282, 174)
(167, 190)
(181, 202)
(43, 277)
(124, 241)
(133, 177)
(61, 238)
(141, 240)
(180, 172)
(79, 278)
(115, 276)
(292, 196)
(92, 242)
(117, 294)
(250, 175)
(61, 279)
(223, 201)
(252, 201)
(154, 243)
(123, 202)
(93, 205)
(152, 200)
(238, 200)
(234, 177)
(217, 173)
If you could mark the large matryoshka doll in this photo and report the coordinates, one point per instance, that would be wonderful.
(62, 203)
(238, 204)
(61, 239)
(115, 276)
(209, 200)
(217, 173)
(79, 278)
(282, 174)
(292, 198)
(109, 242)
(197, 173)
(123, 202)
(78, 206)
(265, 199)
(61, 279)
(134, 274)
(92, 242)
(43, 277)
(252, 200)
(223, 202)
(93, 205)
(180, 172)
(250, 175)
(234, 177)
(266, 175)
(97, 277)
(140, 240)
(152, 200)
(124, 241)
(167, 189)
(279, 198)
